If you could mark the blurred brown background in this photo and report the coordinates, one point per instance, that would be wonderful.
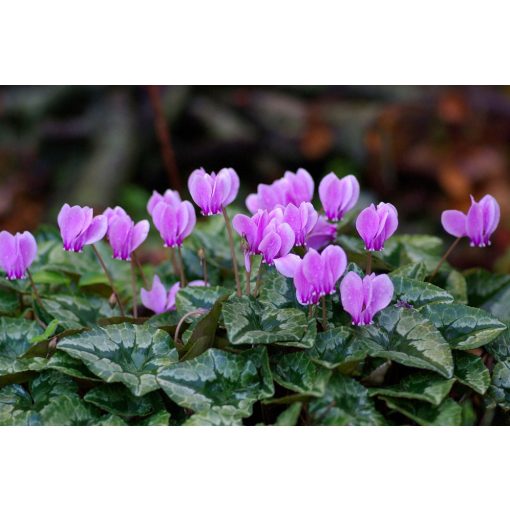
(423, 148)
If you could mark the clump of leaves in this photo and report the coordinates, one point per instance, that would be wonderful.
(439, 354)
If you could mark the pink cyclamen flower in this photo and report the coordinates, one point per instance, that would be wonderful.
(17, 252)
(212, 192)
(170, 197)
(123, 234)
(338, 196)
(302, 220)
(292, 188)
(478, 224)
(363, 298)
(174, 222)
(315, 275)
(265, 234)
(322, 234)
(376, 224)
(159, 300)
(79, 227)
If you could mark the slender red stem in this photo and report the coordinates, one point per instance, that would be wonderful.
(232, 251)
(444, 257)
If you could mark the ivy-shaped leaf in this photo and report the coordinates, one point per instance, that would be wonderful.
(118, 400)
(490, 292)
(470, 371)
(462, 326)
(290, 416)
(219, 380)
(499, 390)
(346, 402)
(405, 336)
(276, 290)
(500, 347)
(413, 271)
(419, 386)
(215, 417)
(456, 285)
(248, 322)
(449, 413)
(9, 301)
(126, 353)
(297, 372)
(418, 294)
(192, 298)
(338, 347)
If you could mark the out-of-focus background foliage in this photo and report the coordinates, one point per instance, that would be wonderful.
(422, 148)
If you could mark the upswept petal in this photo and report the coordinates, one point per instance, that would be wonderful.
(474, 224)
(367, 225)
(382, 294)
(8, 250)
(140, 233)
(454, 222)
(270, 246)
(491, 214)
(288, 265)
(351, 295)
(155, 299)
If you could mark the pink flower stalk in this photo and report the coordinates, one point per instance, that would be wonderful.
(170, 197)
(159, 300)
(212, 192)
(292, 188)
(478, 224)
(79, 227)
(322, 234)
(376, 224)
(17, 252)
(301, 219)
(315, 275)
(123, 235)
(174, 222)
(363, 298)
(338, 196)
(265, 234)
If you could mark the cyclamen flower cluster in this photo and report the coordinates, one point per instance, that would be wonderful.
(282, 218)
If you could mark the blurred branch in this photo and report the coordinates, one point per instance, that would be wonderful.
(163, 134)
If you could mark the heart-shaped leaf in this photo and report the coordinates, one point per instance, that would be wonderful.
(338, 347)
(248, 322)
(414, 271)
(449, 413)
(462, 326)
(297, 372)
(420, 386)
(500, 346)
(470, 371)
(405, 336)
(215, 417)
(192, 298)
(219, 380)
(276, 290)
(417, 293)
(346, 402)
(126, 353)
(500, 386)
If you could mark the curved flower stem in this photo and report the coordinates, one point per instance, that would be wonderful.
(203, 263)
(248, 276)
(444, 257)
(369, 263)
(324, 314)
(232, 251)
(181, 268)
(108, 275)
(311, 311)
(198, 311)
(173, 261)
(140, 269)
(34, 288)
(133, 287)
(258, 283)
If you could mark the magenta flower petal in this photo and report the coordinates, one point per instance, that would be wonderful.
(491, 216)
(338, 196)
(172, 294)
(334, 262)
(8, 251)
(140, 233)
(288, 265)
(312, 266)
(367, 224)
(246, 228)
(270, 246)
(287, 237)
(381, 294)
(185, 230)
(351, 294)
(119, 237)
(71, 221)
(305, 293)
(454, 222)
(322, 234)
(252, 203)
(300, 187)
(376, 224)
(475, 224)
(17, 253)
(170, 197)
(213, 192)
(155, 299)
(96, 230)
